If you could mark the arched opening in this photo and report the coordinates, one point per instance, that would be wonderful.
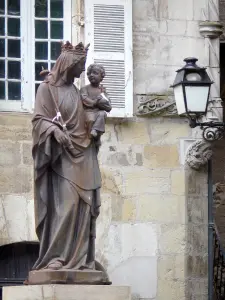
(16, 260)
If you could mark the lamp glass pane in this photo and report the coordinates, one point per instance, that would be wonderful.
(197, 97)
(179, 98)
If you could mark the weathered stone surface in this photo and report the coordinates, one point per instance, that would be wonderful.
(16, 180)
(172, 239)
(161, 208)
(27, 154)
(16, 219)
(197, 266)
(161, 156)
(10, 153)
(67, 277)
(15, 133)
(167, 133)
(197, 239)
(171, 289)
(171, 267)
(178, 183)
(68, 292)
(126, 273)
(142, 180)
(15, 119)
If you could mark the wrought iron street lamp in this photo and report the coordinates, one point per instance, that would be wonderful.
(191, 90)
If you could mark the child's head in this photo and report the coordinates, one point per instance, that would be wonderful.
(95, 73)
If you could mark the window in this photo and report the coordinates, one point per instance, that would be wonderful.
(108, 28)
(30, 35)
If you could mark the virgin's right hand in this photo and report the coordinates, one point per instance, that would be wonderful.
(60, 137)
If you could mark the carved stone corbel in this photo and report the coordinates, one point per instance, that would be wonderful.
(156, 105)
(198, 154)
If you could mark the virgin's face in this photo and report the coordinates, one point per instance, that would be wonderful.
(76, 70)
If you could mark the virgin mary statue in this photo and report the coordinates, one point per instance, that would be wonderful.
(66, 170)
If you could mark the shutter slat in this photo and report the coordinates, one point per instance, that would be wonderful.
(114, 81)
(108, 28)
(108, 16)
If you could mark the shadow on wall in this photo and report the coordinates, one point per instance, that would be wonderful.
(16, 261)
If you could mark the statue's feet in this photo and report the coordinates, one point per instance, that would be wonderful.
(55, 265)
(93, 133)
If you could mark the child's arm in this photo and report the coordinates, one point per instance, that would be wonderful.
(103, 103)
(87, 101)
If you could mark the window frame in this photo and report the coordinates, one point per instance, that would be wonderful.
(27, 8)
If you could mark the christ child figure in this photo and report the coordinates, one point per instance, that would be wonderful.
(95, 101)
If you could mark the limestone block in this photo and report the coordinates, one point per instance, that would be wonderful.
(172, 239)
(112, 181)
(103, 225)
(165, 156)
(121, 155)
(4, 235)
(15, 133)
(144, 10)
(152, 27)
(27, 153)
(15, 119)
(168, 132)
(177, 11)
(128, 255)
(171, 267)
(140, 273)
(16, 219)
(9, 154)
(161, 208)
(150, 79)
(197, 239)
(129, 209)
(16, 180)
(126, 240)
(163, 50)
(197, 266)
(68, 292)
(198, 8)
(31, 221)
(171, 289)
(143, 180)
(178, 182)
(134, 133)
(177, 27)
(192, 29)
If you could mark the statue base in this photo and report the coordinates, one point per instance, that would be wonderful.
(46, 276)
(66, 291)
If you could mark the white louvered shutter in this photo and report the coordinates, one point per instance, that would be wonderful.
(108, 28)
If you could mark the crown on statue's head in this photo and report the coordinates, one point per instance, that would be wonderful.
(79, 49)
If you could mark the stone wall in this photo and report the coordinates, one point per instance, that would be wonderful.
(146, 229)
(16, 185)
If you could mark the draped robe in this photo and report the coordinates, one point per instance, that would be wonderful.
(67, 184)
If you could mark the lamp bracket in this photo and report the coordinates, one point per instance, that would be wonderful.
(211, 131)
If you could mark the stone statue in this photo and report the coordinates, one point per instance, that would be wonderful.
(95, 100)
(67, 178)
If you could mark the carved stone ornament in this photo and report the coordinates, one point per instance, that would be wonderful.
(211, 30)
(218, 194)
(198, 154)
(156, 105)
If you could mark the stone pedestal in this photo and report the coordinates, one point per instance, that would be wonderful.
(66, 291)
(47, 276)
